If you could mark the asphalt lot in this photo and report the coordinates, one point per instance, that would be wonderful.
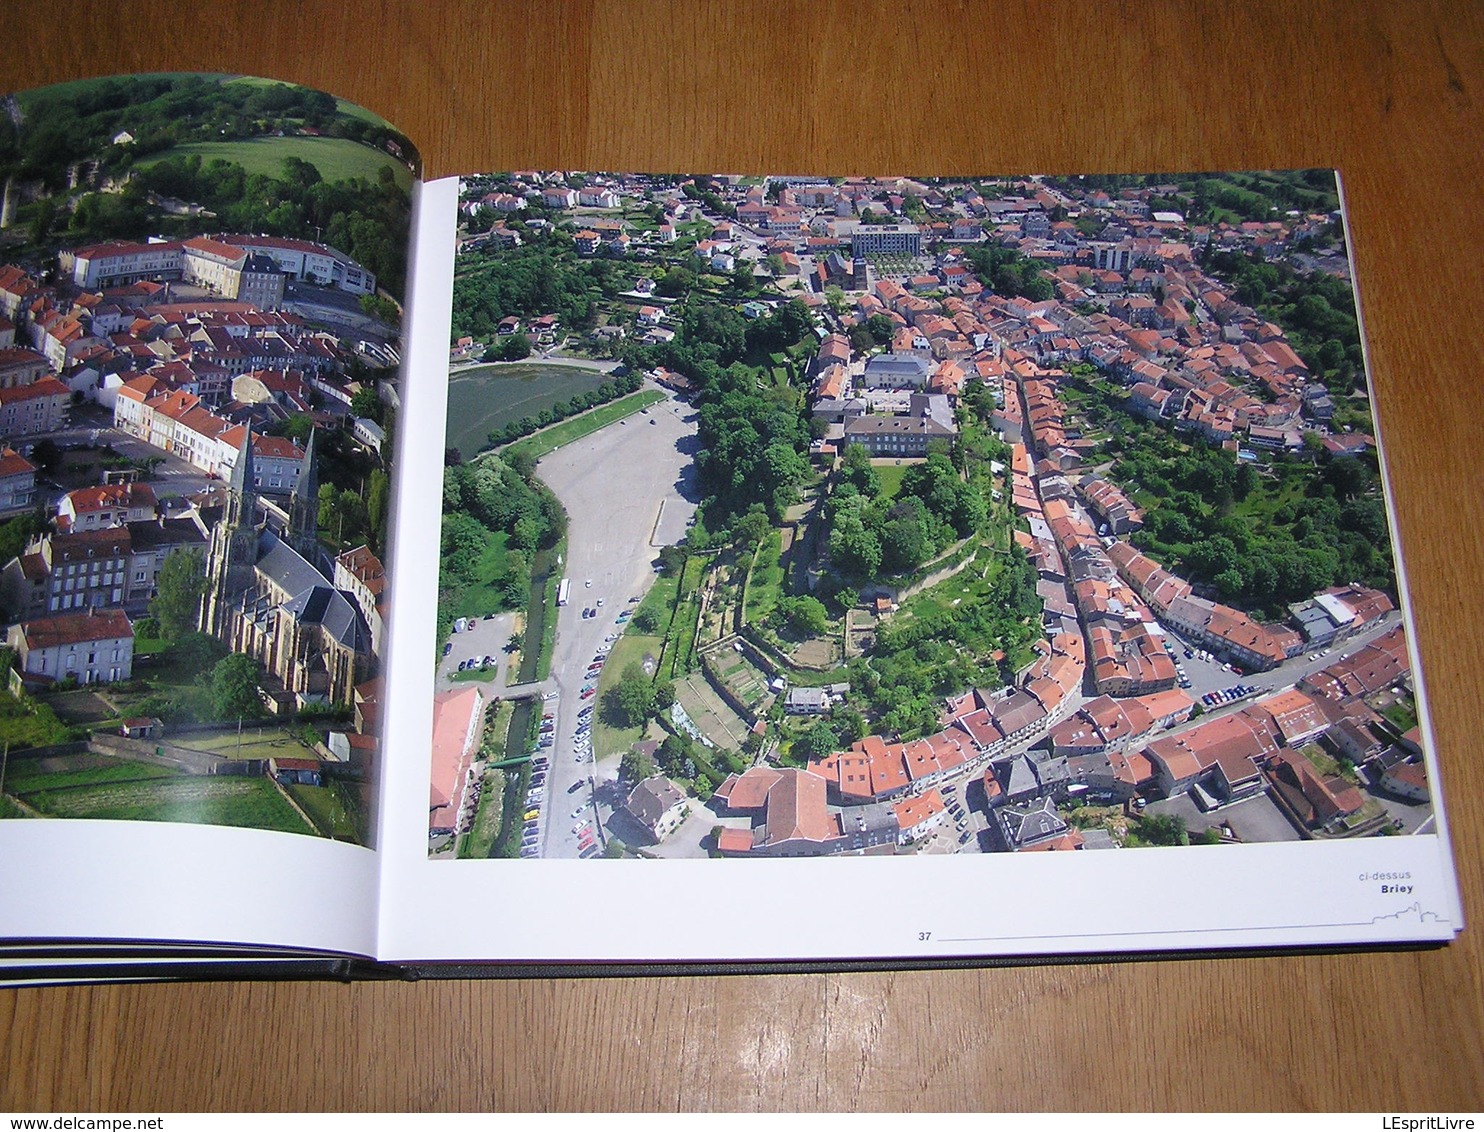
(487, 637)
(612, 484)
(1254, 819)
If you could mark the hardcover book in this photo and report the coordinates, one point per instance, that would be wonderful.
(1015, 548)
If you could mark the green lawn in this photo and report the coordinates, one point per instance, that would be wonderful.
(1326, 764)
(254, 743)
(660, 599)
(477, 843)
(200, 799)
(575, 428)
(628, 649)
(475, 675)
(541, 617)
(1403, 716)
(1263, 502)
(23, 775)
(337, 159)
(765, 579)
(328, 807)
(496, 723)
(890, 476)
(677, 659)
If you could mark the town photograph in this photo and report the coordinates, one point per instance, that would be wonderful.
(797, 516)
(201, 279)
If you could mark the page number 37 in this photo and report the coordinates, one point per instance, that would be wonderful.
(924, 936)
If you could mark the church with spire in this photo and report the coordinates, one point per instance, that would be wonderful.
(268, 595)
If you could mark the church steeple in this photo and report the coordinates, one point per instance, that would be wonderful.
(242, 491)
(304, 505)
(233, 547)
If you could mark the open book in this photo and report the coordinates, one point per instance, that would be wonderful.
(476, 574)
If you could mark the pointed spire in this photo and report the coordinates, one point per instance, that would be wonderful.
(242, 489)
(243, 477)
(306, 487)
(304, 505)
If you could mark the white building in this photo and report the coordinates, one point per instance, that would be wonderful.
(91, 647)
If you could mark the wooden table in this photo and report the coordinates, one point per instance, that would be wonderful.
(1390, 93)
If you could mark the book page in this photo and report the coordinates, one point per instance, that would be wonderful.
(1025, 536)
(201, 289)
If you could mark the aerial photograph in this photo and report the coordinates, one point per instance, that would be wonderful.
(201, 280)
(804, 516)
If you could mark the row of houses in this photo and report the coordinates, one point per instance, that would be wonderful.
(181, 424)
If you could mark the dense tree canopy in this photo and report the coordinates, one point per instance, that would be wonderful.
(1006, 272)
(539, 277)
(181, 582)
(940, 651)
(1316, 311)
(1219, 523)
(234, 687)
(933, 507)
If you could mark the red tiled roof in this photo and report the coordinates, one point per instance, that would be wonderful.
(455, 714)
(12, 463)
(75, 628)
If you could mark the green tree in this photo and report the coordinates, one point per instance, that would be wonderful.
(676, 283)
(1163, 829)
(631, 701)
(297, 427)
(646, 620)
(673, 754)
(752, 528)
(805, 615)
(881, 329)
(234, 687)
(855, 550)
(672, 559)
(378, 492)
(856, 468)
(817, 741)
(47, 454)
(16, 533)
(509, 348)
(366, 403)
(634, 767)
(179, 587)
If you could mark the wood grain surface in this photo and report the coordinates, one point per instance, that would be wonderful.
(1391, 93)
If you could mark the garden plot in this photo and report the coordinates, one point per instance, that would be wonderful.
(743, 679)
(709, 712)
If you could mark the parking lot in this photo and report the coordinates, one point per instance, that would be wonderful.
(484, 637)
(1256, 819)
(614, 485)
